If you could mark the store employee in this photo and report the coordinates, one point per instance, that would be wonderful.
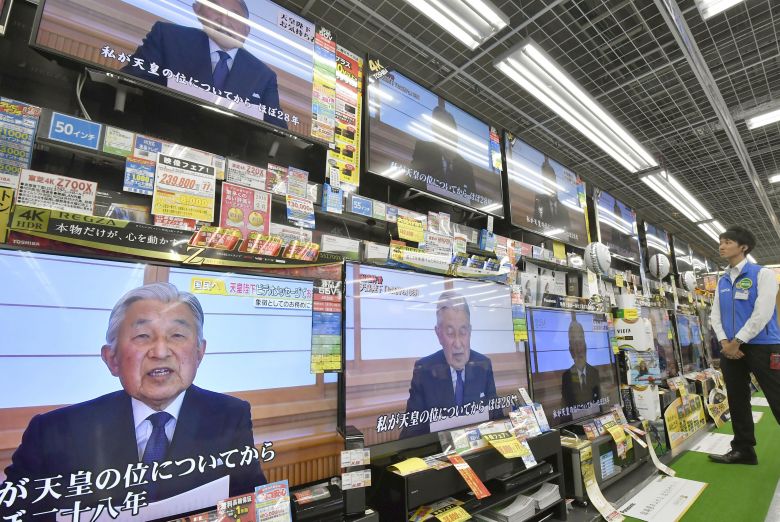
(744, 317)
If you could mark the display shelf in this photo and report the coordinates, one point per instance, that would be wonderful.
(543, 263)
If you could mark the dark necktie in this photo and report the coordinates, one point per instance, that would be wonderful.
(221, 70)
(156, 447)
(459, 388)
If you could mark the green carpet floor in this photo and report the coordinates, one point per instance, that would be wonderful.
(735, 493)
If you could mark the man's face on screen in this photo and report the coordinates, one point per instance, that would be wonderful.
(578, 349)
(454, 333)
(157, 352)
(224, 21)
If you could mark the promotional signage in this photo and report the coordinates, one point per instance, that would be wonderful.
(44, 190)
(326, 326)
(184, 189)
(18, 124)
(74, 131)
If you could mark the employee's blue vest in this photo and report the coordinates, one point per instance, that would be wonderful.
(734, 313)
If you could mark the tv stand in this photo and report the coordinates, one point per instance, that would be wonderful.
(395, 496)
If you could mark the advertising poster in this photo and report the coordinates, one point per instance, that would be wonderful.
(545, 197)
(617, 225)
(54, 192)
(300, 211)
(323, 100)
(148, 148)
(184, 189)
(272, 502)
(326, 326)
(421, 140)
(18, 125)
(118, 142)
(684, 417)
(245, 174)
(245, 209)
(344, 158)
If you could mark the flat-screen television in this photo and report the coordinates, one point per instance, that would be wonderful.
(682, 256)
(423, 141)
(225, 355)
(663, 336)
(426, 353)
(573, 372)
(691, 343)
(544, 196)
(657, 240)
(252, 57)
(617, 226)
(699, 263)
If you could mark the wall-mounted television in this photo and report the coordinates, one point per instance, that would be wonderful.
(82, 395)
(682, 256)
(663, 336)
(573, 372)
(699, 263)
(617, 226)
(657, 240)
(421, 140)
(426, 353)
(691, 343)
(544, 196)
(251, 57)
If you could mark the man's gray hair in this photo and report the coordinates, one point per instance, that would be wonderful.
(163, 292)
(452, 299)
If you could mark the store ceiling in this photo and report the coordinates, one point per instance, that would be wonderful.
(624, 55)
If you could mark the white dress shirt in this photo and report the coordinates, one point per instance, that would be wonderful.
(454, 374)
(214, 50)
(143, 426)
(762, 311)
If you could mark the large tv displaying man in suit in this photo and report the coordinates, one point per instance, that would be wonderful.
(157, 437)
(456, 375)
(214, 56)
(580, 384)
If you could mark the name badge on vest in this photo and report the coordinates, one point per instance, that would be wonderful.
(742, 295)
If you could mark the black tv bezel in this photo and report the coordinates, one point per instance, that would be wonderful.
(76, 62)
(677, 269)
(367, 147)
(613, 364)
(5, 16)
(597, 192)
(505, 142)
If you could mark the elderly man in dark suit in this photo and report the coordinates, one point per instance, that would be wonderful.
(456, 375)
(158, 437)
(213, 56)
(581, 383)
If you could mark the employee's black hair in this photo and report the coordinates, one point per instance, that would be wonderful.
(742, 236)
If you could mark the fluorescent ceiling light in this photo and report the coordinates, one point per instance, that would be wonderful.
(763, 119)
(672, 191)
(709, 8)
(713, 229)
(774, 179)
(529, 67)
(470, 21)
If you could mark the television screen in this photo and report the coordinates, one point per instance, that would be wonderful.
(421, 140)
(249, 56)
(544, 196)
(682, 256)
(427, 353)
(230, 386)
(572, 366)
(617, 225)
(663, 334)
(699, 263)
(657, 240)
(691, 343)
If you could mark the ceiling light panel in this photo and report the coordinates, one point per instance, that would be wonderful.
(470, 21)
(532, 69)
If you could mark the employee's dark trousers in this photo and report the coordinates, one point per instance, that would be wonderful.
(736, 373)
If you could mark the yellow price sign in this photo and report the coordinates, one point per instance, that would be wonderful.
(451, 514)
(410, 229)
(619, 280)
(559, 250)
(507, 444)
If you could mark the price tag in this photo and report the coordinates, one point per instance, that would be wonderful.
(409, 466)
(507, 444)
(355, 457)
(559, 250)
(410, 229)
(451, 514)
(619, 280)
(74, 131)
(471, 478)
